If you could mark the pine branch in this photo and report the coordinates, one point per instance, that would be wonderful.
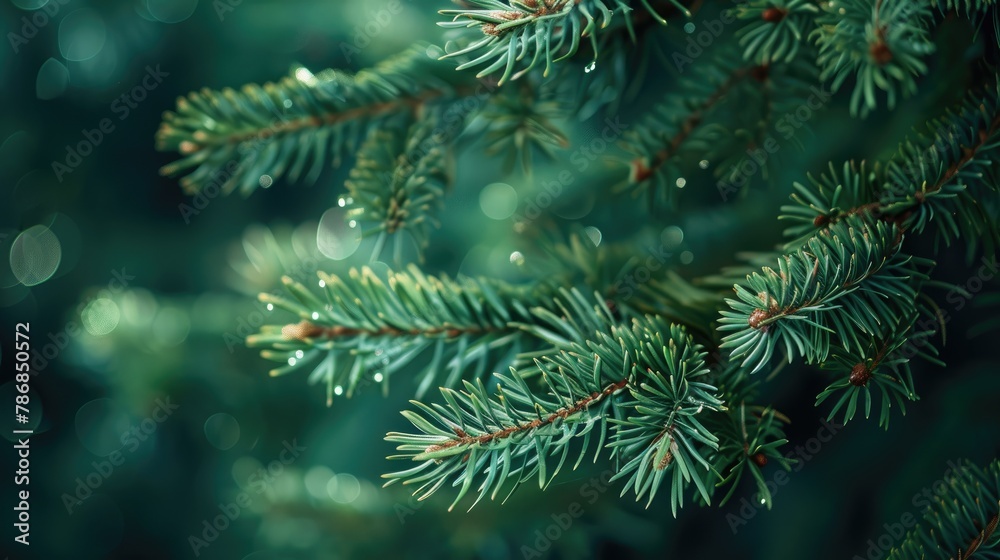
(541, 31)
(777, 28)
(880, 44)
(520, 121)
(750, 438)
(884, 365)
(626, 60)
(231, 139)
(861, 320)
(496, 442)
(664, 430)
(714, 116)
(678, 129)
(399, 182)
(961, 524)
(370, 328)
(946, 177)
(971, 8)
(851, 278)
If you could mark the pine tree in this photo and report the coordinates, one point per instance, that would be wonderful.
(662, 378)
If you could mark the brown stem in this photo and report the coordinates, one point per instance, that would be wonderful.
(305, 330)
(412, 103)
(641, 172)
(760, 319)
(979, 539)
(878, 49)
(968, 154)
(563, 413)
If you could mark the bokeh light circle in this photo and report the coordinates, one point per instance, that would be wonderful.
(82, 34)
(344, 488)
(316, 480)
(52, 79)
(35, 255)
(171, 326)
(672, 236)
(498, 201)
(334, 236)
(222, 431)
(100, 317)
(138, 307)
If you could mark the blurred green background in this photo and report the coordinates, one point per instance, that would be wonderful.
(152, 419)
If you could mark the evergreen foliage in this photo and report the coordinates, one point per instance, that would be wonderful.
(367, 326)
(299, 125)
(541, 32)
(663, 383)
(405, 199)
(961, 524)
